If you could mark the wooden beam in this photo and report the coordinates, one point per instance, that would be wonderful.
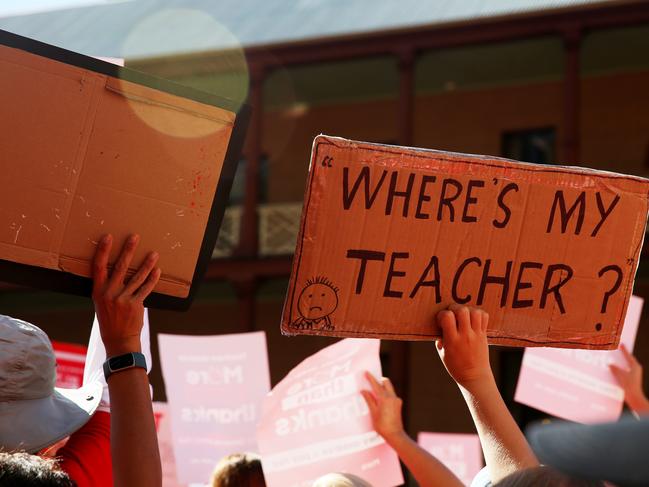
(400, 350)
(246, 291)
(406, 64)
(218, 270)
(230, 269)
(571, 97)
(249, 237)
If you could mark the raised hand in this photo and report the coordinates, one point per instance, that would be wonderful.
(118, 300)
(119, 304)
(385, 410)
(385, 407)
(630, 381)
(464, 350)
(463, 347)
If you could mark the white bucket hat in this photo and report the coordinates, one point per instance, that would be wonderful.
(33, 413)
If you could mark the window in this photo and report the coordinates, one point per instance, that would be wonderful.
(536, 145)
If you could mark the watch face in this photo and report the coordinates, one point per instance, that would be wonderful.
(121, 362)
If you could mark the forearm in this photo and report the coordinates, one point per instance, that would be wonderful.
(504, 446)
(427, 470)
(134, 444)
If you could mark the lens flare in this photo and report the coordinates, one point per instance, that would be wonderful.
(191, 48)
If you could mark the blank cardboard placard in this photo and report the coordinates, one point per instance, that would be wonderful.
(89, 148)
(391, 235)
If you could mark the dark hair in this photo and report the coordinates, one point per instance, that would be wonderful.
(22, 469)
(544, 477)
(238, 470)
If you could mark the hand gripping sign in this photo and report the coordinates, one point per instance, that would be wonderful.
(315, 421)
(391, 235)
(577, 384)
(215, 387)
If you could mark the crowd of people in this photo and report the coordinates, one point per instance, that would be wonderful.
(104, 433)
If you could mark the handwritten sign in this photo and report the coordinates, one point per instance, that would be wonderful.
(391, 235)
(215, 387)
(577, 384)
(315, 421)
(70, 360)
(460, 453)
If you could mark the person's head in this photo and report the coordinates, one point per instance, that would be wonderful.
(340, 480)
(34, 414)
(615, 452)
(238, 470)
(22, 469)
(544, 477)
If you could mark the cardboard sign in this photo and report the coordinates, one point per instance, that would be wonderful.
(577, 384)
(167, 458)
(460, 453)
(70, 360)
(391, 235)
(315, 421)
(215, 387)
(88, 148)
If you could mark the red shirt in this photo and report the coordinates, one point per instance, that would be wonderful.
(86, 455)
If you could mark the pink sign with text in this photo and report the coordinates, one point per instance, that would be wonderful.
(70, 360)
(577, 384)
(215, 387)
(315, 421)
(460, 453)
(167, 458)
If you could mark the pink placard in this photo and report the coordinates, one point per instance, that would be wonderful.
(167, 458)
(215, 387)
(577, 384)
(460, 453)
(315, 421)
(70, 359)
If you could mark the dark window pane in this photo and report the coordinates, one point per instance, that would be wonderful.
(536, 145)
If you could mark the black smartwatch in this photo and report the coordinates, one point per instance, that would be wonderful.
(124, 362)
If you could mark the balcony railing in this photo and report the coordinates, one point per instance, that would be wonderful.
(278, 228)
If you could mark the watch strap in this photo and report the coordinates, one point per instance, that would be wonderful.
(124, 362)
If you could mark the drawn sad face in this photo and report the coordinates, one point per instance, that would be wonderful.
(317, 301)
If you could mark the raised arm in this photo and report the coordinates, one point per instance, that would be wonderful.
(120, 310)
(631, 381)
(464, 351)
(385, 410)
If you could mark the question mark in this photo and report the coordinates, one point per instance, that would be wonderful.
(615, 287)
